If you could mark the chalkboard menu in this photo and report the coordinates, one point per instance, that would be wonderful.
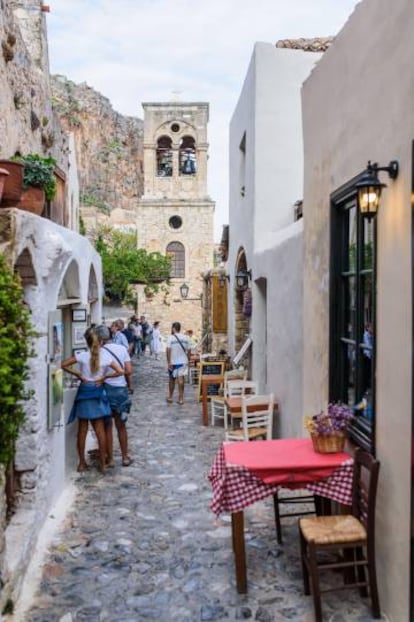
(211, 368)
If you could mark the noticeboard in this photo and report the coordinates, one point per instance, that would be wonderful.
(210, 368)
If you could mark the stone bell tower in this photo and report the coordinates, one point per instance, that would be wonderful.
(175, 214)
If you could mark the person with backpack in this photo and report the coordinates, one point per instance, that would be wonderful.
(177, 360)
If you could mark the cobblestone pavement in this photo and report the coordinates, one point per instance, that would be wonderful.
(142, 544)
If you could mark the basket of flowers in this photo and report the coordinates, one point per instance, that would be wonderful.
(327, 429)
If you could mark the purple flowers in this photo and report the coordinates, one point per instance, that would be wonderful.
(334, 421)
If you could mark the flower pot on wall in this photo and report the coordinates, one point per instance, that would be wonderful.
(13, 185)
(33, 200)
(3, 176)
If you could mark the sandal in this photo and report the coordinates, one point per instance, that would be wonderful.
(169, 400)
(127, 462)
(180, 402)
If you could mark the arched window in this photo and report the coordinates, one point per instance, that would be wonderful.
(175, 251)
(188, 161)
(164, 157)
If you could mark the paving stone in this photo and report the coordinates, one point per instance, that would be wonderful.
(142, 544)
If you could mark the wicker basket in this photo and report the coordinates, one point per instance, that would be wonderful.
(328, 444)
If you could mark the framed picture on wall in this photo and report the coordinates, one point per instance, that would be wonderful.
(78, 350)
(78, 315)
(77, 335)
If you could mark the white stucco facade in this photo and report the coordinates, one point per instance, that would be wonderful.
(266, 179)
(357, 107)
(60, 270)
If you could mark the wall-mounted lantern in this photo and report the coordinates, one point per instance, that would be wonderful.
(242, 279)
(184, 289)
(369, 187)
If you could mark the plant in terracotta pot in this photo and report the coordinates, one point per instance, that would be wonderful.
(39, 182)
(327, 429)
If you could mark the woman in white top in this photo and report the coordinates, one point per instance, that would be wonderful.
(91, 402)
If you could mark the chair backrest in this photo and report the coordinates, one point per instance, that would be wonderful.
(257, 412)
(242, 387)
(364, 489)
(234, 374)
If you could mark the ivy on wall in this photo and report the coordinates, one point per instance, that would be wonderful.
(16, 335)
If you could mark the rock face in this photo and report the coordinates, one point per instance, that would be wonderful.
(108, 148)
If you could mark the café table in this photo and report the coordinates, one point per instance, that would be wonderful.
(205, 381)
(245, 472)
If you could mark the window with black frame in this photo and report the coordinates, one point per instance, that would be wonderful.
(352, 338)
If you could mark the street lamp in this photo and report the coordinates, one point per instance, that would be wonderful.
(369, 187)
(184, 289)
(242, 279)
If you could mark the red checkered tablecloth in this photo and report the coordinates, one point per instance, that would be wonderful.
(235, 487)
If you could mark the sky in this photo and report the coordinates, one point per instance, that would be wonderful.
(134, 51)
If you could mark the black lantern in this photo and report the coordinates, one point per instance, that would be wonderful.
(242, 279)
(184, 289)
(369, 187)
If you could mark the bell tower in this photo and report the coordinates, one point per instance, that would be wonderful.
(175, 214)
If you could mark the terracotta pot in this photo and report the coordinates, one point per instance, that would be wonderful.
(3, 176)
(33, 200)
(13, 185)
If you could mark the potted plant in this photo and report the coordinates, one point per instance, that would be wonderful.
(39, 182)
(327, 429)
(13, 183)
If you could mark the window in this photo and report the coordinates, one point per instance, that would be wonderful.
(175, 222)
(188, 162)
(164, 157)
(175, 251)
(352, 338)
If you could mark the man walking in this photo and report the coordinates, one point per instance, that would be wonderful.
(177, 361)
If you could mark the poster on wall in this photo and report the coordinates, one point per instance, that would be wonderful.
(55, 375)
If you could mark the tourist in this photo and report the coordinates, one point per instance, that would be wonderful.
(95, 366)
(156, 343)
(118, 390)
(177, 361)
(117, 335)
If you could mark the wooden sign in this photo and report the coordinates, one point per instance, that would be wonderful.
(210, 368)
(219, 306)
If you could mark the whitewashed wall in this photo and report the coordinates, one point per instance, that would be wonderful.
(358, 106)
(44, 457)
(269, 114)
(278, 364)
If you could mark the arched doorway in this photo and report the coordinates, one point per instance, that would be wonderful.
(242, 304)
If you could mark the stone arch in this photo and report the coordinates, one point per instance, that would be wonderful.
(93, 291)
(242, 323)
(164, 156)
(176, 252)
(24, 267)
(69, 290)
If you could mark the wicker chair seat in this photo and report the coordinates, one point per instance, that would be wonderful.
(252, 432)
(332, 529)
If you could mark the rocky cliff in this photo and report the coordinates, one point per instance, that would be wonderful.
(108, 148)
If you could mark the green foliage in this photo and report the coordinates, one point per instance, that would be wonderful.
(123, 263)
(82, 226)
(39, 171)
(16, 336)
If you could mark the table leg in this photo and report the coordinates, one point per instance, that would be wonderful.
(237, 530)
(205, 403)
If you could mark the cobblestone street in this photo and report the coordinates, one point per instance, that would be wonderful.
(142, 544)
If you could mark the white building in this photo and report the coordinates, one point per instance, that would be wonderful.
(266, 180)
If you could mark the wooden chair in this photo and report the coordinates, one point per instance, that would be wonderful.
(352, 534)
(217, 404)
(257, 419)
(242, 387)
